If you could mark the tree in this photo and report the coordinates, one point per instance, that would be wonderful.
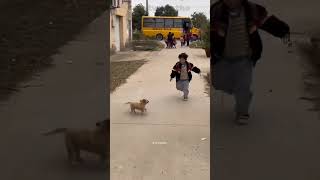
(166, 10)
(138, 12)
(199, 20)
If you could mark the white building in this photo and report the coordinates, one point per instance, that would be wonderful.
(120, 24)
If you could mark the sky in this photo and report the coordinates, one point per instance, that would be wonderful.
(184, 7)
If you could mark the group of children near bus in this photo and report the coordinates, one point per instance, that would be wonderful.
(171, 41)
(185, 39)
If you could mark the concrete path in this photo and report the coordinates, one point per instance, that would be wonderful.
(164, 143)
(282, 139)
(72, 94)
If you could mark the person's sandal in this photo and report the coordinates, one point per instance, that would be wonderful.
(242, 119)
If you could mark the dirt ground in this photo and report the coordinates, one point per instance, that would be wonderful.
(120, 71)
(147, 45)
(125, 63)
(32, 31)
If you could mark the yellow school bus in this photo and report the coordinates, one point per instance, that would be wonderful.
(159, 26)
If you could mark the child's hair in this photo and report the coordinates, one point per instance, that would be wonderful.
(183, 55)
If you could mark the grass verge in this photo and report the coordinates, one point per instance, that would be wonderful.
(196, 44)
(120, 71)
(147, 45)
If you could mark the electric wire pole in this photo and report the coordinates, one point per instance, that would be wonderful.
(147, 8)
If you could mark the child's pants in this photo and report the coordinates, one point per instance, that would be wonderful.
(235, 78)
(183, 85)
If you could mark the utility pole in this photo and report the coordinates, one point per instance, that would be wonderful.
(130, 20)
(147, 8)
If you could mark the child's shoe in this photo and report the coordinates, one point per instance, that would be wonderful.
(185, 98)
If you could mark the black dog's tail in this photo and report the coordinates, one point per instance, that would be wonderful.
(55, 131)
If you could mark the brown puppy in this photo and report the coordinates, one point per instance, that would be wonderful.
(138, 105)
(90, 140)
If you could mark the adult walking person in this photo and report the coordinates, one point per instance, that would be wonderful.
(169, 40)
(188, 37)
(236, 47)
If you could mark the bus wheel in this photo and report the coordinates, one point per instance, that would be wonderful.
(159, 37)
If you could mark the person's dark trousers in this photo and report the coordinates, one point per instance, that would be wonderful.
(234, 76)
(188, 42)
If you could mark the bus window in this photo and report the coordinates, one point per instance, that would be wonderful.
(153, 26)
(148, 22)
(178, 23)
(159, 22)
(168, 23)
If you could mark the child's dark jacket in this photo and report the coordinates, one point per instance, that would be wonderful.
(176, 70)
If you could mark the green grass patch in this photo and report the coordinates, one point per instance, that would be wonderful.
(197, 44)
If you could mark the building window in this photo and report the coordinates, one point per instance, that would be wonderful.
(115, 3)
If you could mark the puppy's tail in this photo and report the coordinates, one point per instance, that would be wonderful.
(55, 131)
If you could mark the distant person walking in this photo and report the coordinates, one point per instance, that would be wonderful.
(169, 41)
(236, 47)
(182, 40)
(188, 37)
